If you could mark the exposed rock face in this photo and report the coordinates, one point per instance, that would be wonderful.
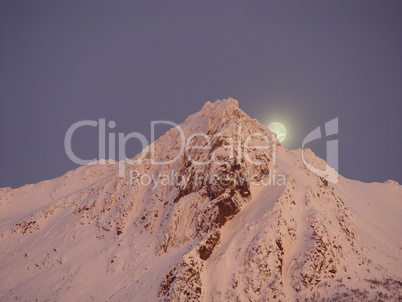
(208, 226)
(183, 282)
(207, 248)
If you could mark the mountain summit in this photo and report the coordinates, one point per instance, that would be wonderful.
(214, 210)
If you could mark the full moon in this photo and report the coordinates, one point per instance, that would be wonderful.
(279, 130)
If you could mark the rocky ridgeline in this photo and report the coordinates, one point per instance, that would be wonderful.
(299, 249)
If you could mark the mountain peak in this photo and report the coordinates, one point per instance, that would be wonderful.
(220, 220)
(229, 102)
(221, 115)
(222, 109)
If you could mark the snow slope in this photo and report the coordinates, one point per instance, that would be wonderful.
(91, 235)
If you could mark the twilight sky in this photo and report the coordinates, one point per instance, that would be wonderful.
(302, 63)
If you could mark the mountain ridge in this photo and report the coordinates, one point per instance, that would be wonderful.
(91, 234)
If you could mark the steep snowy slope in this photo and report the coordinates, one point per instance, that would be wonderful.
(272, 231)
(310, 242)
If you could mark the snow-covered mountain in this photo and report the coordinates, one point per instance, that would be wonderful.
(272, 231)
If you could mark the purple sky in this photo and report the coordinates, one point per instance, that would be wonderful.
(300, 61)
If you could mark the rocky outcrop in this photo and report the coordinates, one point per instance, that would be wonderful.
(203, 227)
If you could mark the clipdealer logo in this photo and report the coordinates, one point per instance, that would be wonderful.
(235, 145)
(330, 173)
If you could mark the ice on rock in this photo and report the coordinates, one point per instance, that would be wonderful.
(90, 235)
